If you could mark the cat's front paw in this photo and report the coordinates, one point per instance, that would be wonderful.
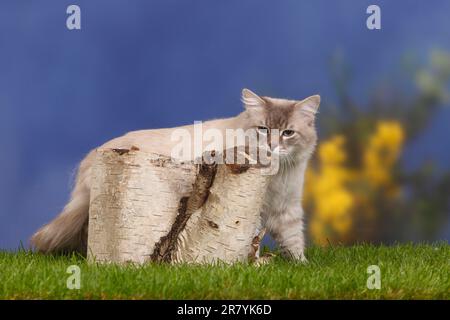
(303, 259)
(295, 256)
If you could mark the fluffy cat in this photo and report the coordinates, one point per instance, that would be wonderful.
(282, 214)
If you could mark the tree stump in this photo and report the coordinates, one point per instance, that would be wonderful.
(147, 207)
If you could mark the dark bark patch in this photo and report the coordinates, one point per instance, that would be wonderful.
(167, 245)
(213, 224)
(238, 168)
(121, 151)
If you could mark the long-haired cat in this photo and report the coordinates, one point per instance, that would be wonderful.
(282, 214)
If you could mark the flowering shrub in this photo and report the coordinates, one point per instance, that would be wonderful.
(357, 187)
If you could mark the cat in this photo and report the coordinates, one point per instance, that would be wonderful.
(282, 214)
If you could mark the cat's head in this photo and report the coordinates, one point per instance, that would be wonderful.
(294, 120)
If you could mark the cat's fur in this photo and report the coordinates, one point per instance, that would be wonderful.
(282, 213)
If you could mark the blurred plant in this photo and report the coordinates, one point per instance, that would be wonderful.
(357, 188)
(334, 214)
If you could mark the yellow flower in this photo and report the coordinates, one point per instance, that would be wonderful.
(331, 151)
(334, 203)
(334, 192)
(383, 151)
(327, 191)
(342, 223)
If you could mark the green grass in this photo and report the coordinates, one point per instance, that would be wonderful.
(407, 272)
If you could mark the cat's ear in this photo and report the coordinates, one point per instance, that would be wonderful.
(251, 99)
(309, 105)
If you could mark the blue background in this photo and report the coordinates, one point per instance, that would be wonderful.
(159, 63)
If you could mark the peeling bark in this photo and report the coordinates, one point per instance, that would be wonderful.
(167, 245)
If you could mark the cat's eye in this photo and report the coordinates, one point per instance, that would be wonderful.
(262, 130)
(288, 133)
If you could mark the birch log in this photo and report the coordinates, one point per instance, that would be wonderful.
(146, 207)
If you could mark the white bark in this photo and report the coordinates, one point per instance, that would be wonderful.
(224, 227)
(145, 207)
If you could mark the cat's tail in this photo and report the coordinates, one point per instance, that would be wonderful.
(68, 231)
